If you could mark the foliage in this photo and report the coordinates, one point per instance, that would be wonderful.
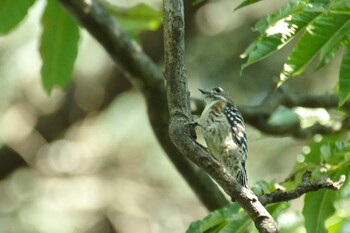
(12, 13)
(323, 27)
(328, 156)
(60, 34)
(230, 219)
(325, 156)
(58, 47)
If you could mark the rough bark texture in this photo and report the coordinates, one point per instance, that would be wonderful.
(180, 128)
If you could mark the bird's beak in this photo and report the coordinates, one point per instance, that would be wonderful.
(203, 92)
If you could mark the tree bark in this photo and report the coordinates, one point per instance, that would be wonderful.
(181, 127)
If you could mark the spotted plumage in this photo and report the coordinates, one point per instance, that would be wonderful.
(223, 129)
(236, 121)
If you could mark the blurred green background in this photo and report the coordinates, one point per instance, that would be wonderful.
(84, 159)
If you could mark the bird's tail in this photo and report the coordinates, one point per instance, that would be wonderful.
(241, 175)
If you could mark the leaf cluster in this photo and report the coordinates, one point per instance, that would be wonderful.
(322, 28)
(325, 157)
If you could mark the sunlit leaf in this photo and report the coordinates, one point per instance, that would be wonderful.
(292, 8)
(59, 46)
(344, 77)
(12, 12)
(277, 30)
(320, 32)
(334, 224)
(327, 23)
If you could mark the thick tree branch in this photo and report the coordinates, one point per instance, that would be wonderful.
(181, 129)
(146, 76)
(304, 187)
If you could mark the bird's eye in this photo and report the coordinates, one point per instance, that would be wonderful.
(218, 89)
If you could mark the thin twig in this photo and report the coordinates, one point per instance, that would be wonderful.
(304, 187)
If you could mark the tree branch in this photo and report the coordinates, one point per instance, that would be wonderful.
(258, 116)
(146, 76)
(304, 187)
(181, 129)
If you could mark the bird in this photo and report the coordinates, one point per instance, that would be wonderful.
(223, 129)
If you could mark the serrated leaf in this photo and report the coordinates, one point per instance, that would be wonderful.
(12, 12)
(138, 18)
(344, 77)
(58, 46)
(277, 35)
(329, 50)
(292, 8)
(317, 35)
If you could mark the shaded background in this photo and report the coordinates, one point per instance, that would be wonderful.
(84, 159)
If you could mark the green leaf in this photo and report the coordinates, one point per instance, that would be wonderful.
(329, 50)
(138, 18)
(246, 3)
(328, 53)
(319, 206)
(329, 156)
(292, 8)
(58, 47)
(340, 6)
(277, 30)
(12, 12)
(230, 219)
(238, 226)
(344, 77)
(320, 32)
(334, 224)
(216, 220)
